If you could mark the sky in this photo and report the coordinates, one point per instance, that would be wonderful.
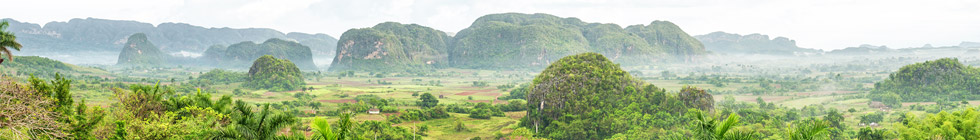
(821, 24)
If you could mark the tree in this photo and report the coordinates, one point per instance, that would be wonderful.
(427, 101)
(321, 129)
(376, 127)
(707, 128)
(892, 100)
(458, 126)
(835, 119)
(809, 130)
(696, 98)
(261, 125)
(869, 133)
(346, 127)
(7, 41)
(872, 117)
(955, 125)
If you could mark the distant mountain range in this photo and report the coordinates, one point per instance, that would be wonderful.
(99, 36)
(510, 41)
(728, 43)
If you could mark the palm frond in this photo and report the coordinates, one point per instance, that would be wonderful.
(322, 129)
(726, 125)
(809, 130)
(740, 135)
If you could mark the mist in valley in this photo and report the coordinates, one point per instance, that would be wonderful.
(490, 70)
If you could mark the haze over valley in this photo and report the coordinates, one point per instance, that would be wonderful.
(509, 70)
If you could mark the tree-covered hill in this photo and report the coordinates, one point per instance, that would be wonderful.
(670, 38)
(520, 41)
(938, 80)
(391, 46)
(139, 51)
(240, 55)
(43, 67)
(729, 43)
(274, 74)
(587, 96)
(863, 49)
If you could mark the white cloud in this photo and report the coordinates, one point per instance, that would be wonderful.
(825, 24)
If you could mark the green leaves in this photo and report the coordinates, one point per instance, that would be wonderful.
(809, 130)
(426, 100)
(586, 96)
(274, 74)
(7, 40)
(941, 79)
(322, 130)
(943, 125)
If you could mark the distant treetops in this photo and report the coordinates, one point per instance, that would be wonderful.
(139, 51)
(509, 41)
(939, 80)
(587, 96)
(268, 72)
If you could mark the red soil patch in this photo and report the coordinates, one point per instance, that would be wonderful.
(391, 79)
(474, 92)
(321, 84)
(820, 93)
(916, 103)
(494, 94)
(487, 101)
(267, 94)
(764, 98)
(340, 101)
(354, 83)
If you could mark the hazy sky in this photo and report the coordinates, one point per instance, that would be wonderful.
(824, 24)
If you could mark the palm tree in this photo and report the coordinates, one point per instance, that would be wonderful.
(7, 39)
(375, 126)
(809, 130)
(322, 130)
(346, 127)
(262, 125)
(707, 128)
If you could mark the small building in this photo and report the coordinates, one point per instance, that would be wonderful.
(374, 111)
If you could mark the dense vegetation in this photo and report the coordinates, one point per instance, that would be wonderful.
(668, 36)
(274, 74)
(391, 46)
(721, 42)
(37, 65)
(241, 55)
(938, 80)
(587, 96)
(509, 41)
(583, 96)
(514, 40)
(47, 110)
(139, 51)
